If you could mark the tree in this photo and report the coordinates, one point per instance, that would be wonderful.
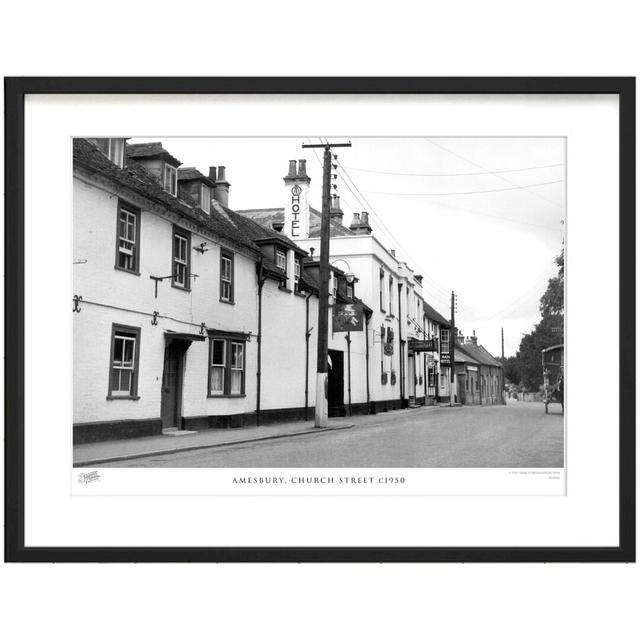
(548, 332)
(552, 301)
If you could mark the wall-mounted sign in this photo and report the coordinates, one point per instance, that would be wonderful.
(445, 358)
(422, 345)
(348, 317)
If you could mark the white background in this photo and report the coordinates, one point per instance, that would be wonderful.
(457, 601)
(587, 516)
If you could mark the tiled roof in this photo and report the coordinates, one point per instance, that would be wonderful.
(268, 217)
(150, 150)
(432, 314)
(191, 173)
(479, 354)
(138, 179)
(258, 231)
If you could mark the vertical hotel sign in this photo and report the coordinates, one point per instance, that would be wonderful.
(296, 192)
(296, 209)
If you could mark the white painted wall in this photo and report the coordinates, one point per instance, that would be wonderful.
(97, 281)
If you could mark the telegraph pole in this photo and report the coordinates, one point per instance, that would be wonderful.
(322, 408)
(502, 337)
(452, 349)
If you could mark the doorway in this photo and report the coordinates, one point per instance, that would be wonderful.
(336, 383)
(172, 377)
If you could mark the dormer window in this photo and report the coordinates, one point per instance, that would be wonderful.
(205, 198)
(281, 260)
(350, 290)
(113, 148)
(170, 179)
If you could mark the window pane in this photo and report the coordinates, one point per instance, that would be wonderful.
(125, 380)
(217, 352)
(217, 379)
(236, 381)
(237, 359)
(128, 353)
(118, 348)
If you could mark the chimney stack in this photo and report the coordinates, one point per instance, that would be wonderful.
(360, 224)
(336, 212)
(296, 210)
(392, 252)
(221, 190)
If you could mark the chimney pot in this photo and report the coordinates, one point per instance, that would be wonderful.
(221, 189)
(212, 173)
(292, 169)
(302, 168)
(393, 252)
(356, 218)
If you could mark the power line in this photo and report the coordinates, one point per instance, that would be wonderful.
(465, 193)
(450, 175)
(488, 215)
(501, 177)
(440, 290)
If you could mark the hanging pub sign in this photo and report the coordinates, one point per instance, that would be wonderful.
(445, 358)
(348, 317)
(417, 346)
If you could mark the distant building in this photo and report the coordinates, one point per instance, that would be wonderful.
(479, 376)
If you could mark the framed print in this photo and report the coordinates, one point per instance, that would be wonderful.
(320, 319)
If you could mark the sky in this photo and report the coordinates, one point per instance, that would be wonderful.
(483, 217)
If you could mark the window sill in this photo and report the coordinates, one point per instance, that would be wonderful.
(177, 286)
(300, 294)
(227, 301)
(285, 290)
(228, 395)
(123, 397)
(133, 273)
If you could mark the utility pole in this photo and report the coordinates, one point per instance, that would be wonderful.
(502, 337)
(322, 400)
(452, 349)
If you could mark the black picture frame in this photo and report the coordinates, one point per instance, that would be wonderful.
(15, 91)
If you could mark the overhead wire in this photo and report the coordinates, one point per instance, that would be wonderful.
(440, 291)
(452, 175)
(465, 193)
(498, 175)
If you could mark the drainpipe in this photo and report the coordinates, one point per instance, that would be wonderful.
(307, 335)
(400, 349)
(366, 337)
(348, 339)
(261, 279)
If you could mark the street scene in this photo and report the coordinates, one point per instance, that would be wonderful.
(375, 302)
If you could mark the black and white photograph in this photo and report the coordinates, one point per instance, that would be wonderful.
(319, 302)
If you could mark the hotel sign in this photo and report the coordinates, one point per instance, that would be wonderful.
(445, 358)
(348, 317)
(296, 191)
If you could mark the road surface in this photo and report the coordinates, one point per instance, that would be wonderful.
(516, 435)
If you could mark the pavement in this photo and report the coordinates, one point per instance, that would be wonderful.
(519, 434)
(95, 453)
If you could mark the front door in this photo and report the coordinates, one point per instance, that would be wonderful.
(336, 383)
(172, 386)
